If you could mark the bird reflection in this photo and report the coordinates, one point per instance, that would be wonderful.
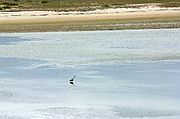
(71, 83)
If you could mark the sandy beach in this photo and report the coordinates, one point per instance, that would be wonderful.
(106, 19)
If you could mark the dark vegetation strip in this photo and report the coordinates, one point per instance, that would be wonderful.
(83, 5)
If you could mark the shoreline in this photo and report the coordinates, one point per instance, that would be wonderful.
(107, 19)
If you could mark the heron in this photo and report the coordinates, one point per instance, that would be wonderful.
(71, 80)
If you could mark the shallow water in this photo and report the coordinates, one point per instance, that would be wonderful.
(119, 74)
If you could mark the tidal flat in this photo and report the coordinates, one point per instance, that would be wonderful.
(119, 75)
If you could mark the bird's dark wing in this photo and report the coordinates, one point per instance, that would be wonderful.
(72, 79)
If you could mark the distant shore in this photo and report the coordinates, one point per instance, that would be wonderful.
(149, 17)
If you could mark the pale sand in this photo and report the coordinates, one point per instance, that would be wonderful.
(121, 13)
(107, 16)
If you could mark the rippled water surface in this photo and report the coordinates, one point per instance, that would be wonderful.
(119, 75)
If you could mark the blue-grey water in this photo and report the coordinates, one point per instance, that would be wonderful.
(129, 74)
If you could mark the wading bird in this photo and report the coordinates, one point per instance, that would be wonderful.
(71, 80)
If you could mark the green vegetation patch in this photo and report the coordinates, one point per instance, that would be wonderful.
(170, 4)
(81, 4)
(8, 5)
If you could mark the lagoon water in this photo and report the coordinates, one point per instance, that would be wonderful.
(128, 74)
